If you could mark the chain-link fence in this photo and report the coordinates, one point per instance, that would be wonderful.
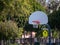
(31, 41)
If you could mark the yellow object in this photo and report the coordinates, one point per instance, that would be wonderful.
(45, 33)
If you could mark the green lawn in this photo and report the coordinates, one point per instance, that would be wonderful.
(14, 44)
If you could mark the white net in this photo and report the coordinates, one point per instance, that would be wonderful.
(35, 26)
(35, 23)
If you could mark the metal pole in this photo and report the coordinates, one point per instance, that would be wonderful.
(31, 38)
(49, 33)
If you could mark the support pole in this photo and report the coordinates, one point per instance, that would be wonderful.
(49, 33)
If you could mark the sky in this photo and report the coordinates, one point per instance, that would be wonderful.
(47, 1)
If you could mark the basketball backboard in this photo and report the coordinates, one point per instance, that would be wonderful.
(38, 17)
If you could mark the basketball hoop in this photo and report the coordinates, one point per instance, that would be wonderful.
(38, 17)
(35, 23)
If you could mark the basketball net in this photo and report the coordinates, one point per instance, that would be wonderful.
(36, 23)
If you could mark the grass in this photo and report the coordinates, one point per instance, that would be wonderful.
(13, 44)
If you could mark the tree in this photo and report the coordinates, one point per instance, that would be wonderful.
(8, 29)
(54, 19)
(19, 10)
(35, 6)
(5, 6)
(26, 8)
(20, 32)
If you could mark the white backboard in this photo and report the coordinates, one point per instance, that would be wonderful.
(38, 16)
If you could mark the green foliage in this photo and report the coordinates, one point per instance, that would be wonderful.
(33, 6)
(27, 7)
(55, 34)
(1, 6)
(20, 32)
(8, 29)
(18, 11)
(13, 44)
(54, 19)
